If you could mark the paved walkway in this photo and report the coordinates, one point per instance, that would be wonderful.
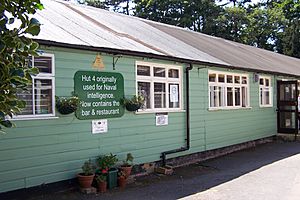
(270, 171)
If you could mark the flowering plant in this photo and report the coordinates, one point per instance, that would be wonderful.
(106, 162)
(66, 105)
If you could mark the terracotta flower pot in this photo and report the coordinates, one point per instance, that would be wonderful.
(102, 186)
(85, 181)
(122, 182)
(126, 170)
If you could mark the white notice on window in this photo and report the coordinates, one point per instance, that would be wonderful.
(174, 93)
(99, 126)
(287, 123)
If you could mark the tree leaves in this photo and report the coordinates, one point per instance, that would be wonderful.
(33, 27)
(6, 123)
(272, 25)
(15, 73)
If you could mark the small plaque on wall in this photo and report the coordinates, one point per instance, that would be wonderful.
(99, 126)
(162, 119)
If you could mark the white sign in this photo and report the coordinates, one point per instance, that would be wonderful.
(287, 123)
(174, 93)
(161, 119)
(99, 126)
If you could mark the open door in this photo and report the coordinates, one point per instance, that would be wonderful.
(287, 107)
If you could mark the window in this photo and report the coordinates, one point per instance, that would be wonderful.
(39, 96)
(160, 85)
(227, 90)
(265, 92)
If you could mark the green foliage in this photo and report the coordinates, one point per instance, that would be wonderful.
(101, 178)
(272, 25)
(122, 174)
(129, 160)
(231, 23)
(15, 48)
(66, 105)
(263, 26)
(121, 6)
(88, 168)
(106, 162)
(135, 99)
(134, 103)
(290, 38)
(196, 15)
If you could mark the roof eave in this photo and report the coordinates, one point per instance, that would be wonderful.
(153, 56)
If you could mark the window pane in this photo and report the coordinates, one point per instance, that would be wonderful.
(229, 79)
(261, 96)
(237, 79)
(26, 95)
(144, 90)
(159, 95)
(159, 72)
(287, 119)
(174, 95)
(43, 96)
(221, 78)
(212, 77)
(267, 82)
(244, 97)
(213, 90)
(173, 73)
(143, 70)
(287, 92)
(267, 96)
(43, 63)
(244, 80)
(229, 96)
(261, 81)
(221, 96)
(237, 96)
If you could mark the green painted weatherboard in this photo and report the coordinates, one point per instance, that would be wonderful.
(48, 150)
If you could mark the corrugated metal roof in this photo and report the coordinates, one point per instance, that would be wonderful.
(63, 22)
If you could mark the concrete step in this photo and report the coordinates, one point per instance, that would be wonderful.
(288, 137)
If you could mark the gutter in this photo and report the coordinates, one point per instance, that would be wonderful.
(188, 138)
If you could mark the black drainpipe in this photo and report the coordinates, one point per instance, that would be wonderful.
(187, 147)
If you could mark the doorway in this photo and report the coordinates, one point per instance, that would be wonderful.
(287, 107)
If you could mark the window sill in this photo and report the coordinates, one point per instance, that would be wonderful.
(265, 106)
(157, 111)
(33, 118)
(235, 108)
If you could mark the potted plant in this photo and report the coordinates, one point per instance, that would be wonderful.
(126, 167)
(102, 182)
(134, 103)
(85, 178)
(106, 164)
(66, 105)
(122, 179)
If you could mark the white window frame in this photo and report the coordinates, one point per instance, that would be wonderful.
(263, 88)
(225, 85)
(43, 76)
(152, 79)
